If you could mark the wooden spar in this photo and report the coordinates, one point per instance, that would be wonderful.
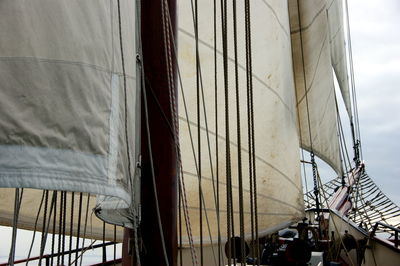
(162, 142)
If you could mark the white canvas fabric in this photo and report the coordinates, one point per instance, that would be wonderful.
(62, 101)
(338, 51)
(312, 68)
(279, 191)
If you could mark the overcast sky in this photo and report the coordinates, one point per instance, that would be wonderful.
(376, 54)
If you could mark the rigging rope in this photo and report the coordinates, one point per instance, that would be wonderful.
(196, 32)
(125, 93)
(217, 200)
(115, 244)
(42, 243)
(85, 226)
(357, 133)
(35, 226)
(238, 132)
(251, 137)
(179, 162)
(54, 225)
(229, 204)
(314, 166)
(45, 230)
(180, 226)
(200, 95)
(333, 221)
(152, 171)
(64, 214)
(343, 145)
(209, 149)
(79, 227)
(182, 186)
(71, 222)
(17, 205)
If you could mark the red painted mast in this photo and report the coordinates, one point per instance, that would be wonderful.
(160, 120)
(163, 152)
(162, 141)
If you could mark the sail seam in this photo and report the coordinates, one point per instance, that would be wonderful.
(232, 60)
(114, 124)
(245, 212)
(48, 181)
(247, 190)
(245, 150)
(47, 173)
(261, 233)
(306, 27)
(276, 17)
(60, 61)
(307, 90)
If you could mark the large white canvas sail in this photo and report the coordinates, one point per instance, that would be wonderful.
(63, 102)
(338, 51)
(279, 192)
(314, 80)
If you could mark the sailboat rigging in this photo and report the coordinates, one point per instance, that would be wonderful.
(175, 128)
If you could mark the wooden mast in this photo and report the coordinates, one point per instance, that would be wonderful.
(163, 149)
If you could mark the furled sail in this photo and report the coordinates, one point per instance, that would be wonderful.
(314, 80)
(67, 111)
(279, 189)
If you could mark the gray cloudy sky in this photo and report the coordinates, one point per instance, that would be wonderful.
(376, 54)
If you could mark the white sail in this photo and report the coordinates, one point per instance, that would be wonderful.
(313, 71)
(279, 192)
(338, 51)
(64, 107)
(63, 102)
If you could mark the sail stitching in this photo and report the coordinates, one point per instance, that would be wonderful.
(310, 86)
(243, 68)
(246, 212)
(247, 151)
(276, 17)
(306, 27)
(30, 59)
(246, 190)
(114, 124)
(313, 163)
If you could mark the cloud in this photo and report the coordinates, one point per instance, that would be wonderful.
(376, 56)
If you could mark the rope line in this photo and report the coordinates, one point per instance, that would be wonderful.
(175, 130)
(357, 133)
(71, 222)
(238, 133)
(17, 205)
(85, 227)
(79, 227)
(152, 171)
(35, 226)
(54, 225)
(217, 198)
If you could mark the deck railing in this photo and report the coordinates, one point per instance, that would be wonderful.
(392, 228)
(47, 258)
